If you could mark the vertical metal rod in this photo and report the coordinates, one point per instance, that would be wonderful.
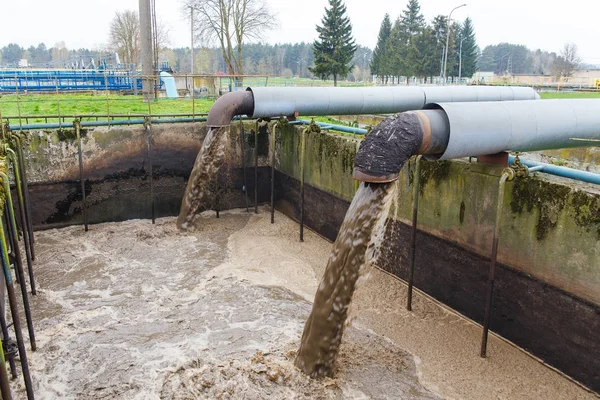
(151, 167)
(21, 155)
(77, 125)
(256, 170)
(492, 272)
(302, 150)
(20, 272)
(413, 236)
(15, 316)
(4, 384)
(243, 135)
(13, 157)
(273, 147)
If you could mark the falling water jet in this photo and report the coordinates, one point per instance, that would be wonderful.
(201, 191)
(369, 208)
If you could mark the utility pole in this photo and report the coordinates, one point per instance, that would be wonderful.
(192, 35)
(448, 38)
(147, 50)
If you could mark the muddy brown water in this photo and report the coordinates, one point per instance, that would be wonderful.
(325, 326)
(202, 191)
(135, 311)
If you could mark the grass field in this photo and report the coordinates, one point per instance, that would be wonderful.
(82, 104)
(90, 104)
(570, 95)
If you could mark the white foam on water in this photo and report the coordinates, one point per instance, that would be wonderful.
(136, 311)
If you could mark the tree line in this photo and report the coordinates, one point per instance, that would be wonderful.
(411, 47)
(509, 59)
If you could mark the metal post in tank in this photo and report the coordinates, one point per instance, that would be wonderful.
(302, 156)
(508, 174)
(413, 235)
(273, 146)
(15, 315)
(256, 168)
(245, 188)
(22, 214)
(77, 126)
(147, 125)
(13, 239)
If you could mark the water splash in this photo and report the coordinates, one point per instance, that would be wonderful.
(203, 190)
(323, 330)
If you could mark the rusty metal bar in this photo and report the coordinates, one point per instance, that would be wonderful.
(12, 156)
(151, 168)
(413, 234)
(256, 169)
(508, 174)
(77, 126)
(245, 188)
(302, 156)
(13, 239)
(273, 147)
(15, 315)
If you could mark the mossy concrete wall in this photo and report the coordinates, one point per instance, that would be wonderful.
(116, 170)
(550, 227)
(328, 159)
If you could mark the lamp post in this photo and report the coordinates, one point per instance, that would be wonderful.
(448, 39)
(460, 60)
(192, 37)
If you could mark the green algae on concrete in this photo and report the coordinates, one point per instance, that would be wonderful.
(329, 159)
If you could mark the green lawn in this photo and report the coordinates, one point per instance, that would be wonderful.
(89, 104)
(570, 95)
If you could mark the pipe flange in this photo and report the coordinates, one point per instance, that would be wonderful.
(510, 173)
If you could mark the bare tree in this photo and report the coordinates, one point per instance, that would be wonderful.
(125, 36)
(229, 23)
(567, 61)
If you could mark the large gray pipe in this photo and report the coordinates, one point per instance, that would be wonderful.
(453, 130)
(489, 128)
(290, 102)
(272, 102)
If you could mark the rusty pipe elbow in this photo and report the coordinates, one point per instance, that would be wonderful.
(228, 106)
(392, 142)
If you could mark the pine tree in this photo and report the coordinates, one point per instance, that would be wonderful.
(412, 20)
(422, 53)
(454, 44)
(412, 24)
(470, 51)
(379, 52)
(397, 51)
(335, 47)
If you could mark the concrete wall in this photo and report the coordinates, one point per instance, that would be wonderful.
(116, 171)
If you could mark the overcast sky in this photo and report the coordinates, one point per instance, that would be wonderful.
(535, 23)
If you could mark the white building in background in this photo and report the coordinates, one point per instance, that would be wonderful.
(23, 63)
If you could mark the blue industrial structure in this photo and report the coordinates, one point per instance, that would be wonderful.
(50, 80)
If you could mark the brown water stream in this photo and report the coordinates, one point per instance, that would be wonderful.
(325, 326)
